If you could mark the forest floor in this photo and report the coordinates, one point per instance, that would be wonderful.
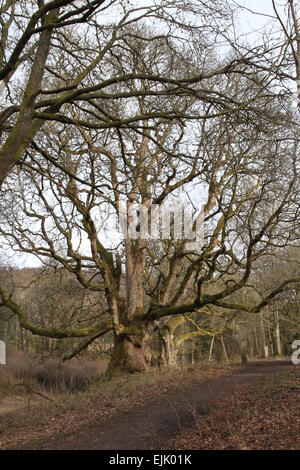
(250, 406)
(260, 416)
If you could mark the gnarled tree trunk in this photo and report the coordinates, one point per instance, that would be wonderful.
(133, 335)
(131, 351)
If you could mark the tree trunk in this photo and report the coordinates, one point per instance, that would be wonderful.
(244, 355)
(135, 264)
(26, 127)
(270, 336)
(277, 333)
(131, 354)
(263, 337)
(168, 350)
(224, 348)
(211, 349)
(193, 354)
(132, 336)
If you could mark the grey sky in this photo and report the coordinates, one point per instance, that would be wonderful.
(257, 21)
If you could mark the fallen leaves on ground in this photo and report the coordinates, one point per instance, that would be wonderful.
(44, 422)
(259, 417)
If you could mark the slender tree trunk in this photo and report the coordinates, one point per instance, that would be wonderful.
(277, 333)
(270, 335)
(193, 353)
(244, 355)
(224, 349)
(211, 349)
(263, 337)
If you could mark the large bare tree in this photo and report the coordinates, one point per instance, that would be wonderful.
(156, 118)
(76, 177)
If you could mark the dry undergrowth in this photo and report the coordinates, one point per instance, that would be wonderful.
(51, 412)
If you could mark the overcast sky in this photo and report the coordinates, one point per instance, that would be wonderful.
(252, 21)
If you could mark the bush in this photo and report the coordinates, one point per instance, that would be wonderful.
(50, 374)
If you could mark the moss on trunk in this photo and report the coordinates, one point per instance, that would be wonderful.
(127, 357)
(131, 351)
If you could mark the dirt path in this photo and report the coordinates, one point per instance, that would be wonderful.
(155, 424)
